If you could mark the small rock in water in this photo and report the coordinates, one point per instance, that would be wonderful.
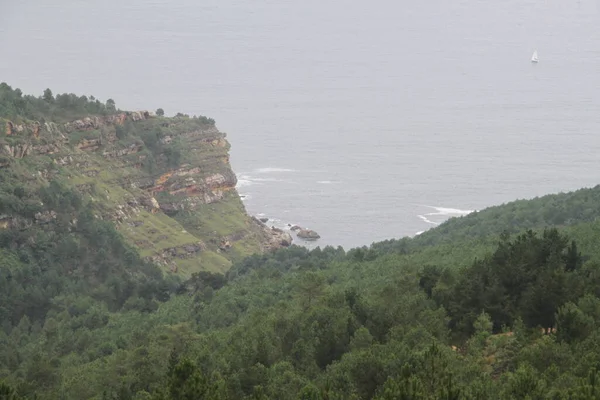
(295, 228)
(264, 219)
(308, 234)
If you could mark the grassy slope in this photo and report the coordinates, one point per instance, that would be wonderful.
(105, 180)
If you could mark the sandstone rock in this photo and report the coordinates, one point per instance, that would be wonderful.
(84, 124)
(140, 115)
(36, 130)
(187, 170)
(307, 234)
(280, 237)
(131, 149)
(154, 203)
(150, 203)
(89, 144)
(51, 127)
(17, 151)
(224, 245)
(215, 180)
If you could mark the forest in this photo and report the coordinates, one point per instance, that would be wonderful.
(500, 304)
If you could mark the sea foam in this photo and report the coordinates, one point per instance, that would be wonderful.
(448, 211)
(425, 219)
(243, 183)
(243, 180)
(269, 170)
(441, 212)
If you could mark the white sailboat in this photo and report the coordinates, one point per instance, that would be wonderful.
(534, 57)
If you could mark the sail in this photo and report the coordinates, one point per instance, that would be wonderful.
(534, 57)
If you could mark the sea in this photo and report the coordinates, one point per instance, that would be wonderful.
(363, 121)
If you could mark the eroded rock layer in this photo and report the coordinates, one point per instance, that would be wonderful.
(166, 183)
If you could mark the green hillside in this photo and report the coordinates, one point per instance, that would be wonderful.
(367, 323)
(556, 210)
(165, 183)
(501, 304)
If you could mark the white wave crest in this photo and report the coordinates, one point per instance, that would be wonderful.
(268, 170)
(425, 219)
(266, 180)
(243, 183)
(448, 211)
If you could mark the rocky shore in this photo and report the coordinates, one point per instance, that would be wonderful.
(302, 233)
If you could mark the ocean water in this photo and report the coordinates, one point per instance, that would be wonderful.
(361, 120)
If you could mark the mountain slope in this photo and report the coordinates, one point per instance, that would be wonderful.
(91, 207)
(165, 183)
(364, 324)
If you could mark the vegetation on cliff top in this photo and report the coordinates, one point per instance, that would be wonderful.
(478, 314)
(66, 107)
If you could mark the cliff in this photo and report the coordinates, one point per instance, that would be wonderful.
(165, 183)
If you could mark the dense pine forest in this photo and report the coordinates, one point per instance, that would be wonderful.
(500, 304)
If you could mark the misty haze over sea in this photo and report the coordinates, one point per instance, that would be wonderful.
(361, 120)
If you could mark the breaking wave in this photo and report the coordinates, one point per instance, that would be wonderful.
(268, 170)
(243, 183)
(427, 220)
(265, 180)
(448, 211)
(441, 214)
(244, 180)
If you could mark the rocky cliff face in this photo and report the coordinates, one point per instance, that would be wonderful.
(165, 182)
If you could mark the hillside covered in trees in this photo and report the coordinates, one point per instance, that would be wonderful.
(500, 304)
